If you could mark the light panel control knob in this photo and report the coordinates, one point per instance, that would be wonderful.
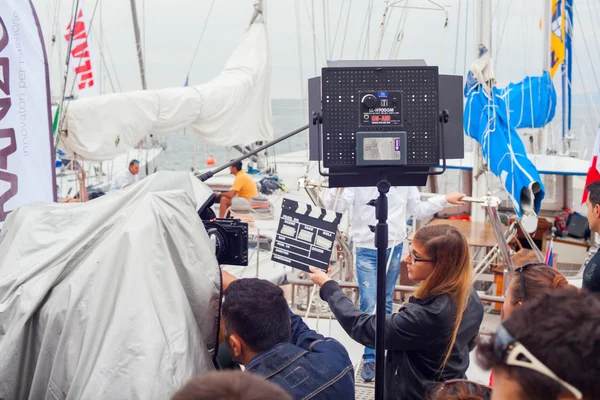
(369, 101)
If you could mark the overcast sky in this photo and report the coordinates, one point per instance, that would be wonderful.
(171, 29)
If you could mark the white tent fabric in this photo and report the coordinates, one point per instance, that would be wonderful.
(117, 298)
(232, 109)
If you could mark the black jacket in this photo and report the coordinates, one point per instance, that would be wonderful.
(416, 339)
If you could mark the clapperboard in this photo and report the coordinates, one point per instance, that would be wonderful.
(305, 236)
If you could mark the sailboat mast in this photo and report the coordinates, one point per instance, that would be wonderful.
(565, 89)
(543, 133)
(546, 22)
(483, 39)
(138, 44)
(258, 9)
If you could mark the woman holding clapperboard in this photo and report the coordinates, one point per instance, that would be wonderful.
(428, 341)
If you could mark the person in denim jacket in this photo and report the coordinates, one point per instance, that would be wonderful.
(262, 333)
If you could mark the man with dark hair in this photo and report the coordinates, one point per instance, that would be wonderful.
(263, 334)
(548, 349)
(243, 187)
(127, 177)
(230, 386)
(591, 273)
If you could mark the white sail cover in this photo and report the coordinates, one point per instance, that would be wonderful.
(116, 298)
(232, 109)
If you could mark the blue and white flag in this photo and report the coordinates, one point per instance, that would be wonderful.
(486, 119)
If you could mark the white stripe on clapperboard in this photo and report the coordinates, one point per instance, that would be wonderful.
(301, 255)
(316, 212)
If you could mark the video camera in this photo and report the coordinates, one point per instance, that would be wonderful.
(229, 235)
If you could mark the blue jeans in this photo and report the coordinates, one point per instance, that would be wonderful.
(366, 263)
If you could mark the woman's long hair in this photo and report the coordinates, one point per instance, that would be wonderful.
(452, 274)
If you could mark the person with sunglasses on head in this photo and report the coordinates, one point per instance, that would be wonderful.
(527, 282)
(549, 349)
(429, 339)
(462, 389)
(531, 281)
(591, 273)
(403, 202)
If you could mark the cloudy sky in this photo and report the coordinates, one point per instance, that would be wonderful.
(171, 30)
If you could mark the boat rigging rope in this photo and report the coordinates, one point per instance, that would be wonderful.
(63, 108)
(399, 35)
(299, 47)
(69, 47)
(441, 52)
(337, 28)
(383, 27)
(501, 35)
(316, 46)
(325, 15)
(199, 40)
(55, 21)
(457, 33)
(366, 24)
(465, 68)
(362, 31)
(589, 101)
(112, 62)
(346, 30)
(587, 48)
(314, 32)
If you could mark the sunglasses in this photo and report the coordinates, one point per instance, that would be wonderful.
(521, 269)
(413, 258)
(511, 352)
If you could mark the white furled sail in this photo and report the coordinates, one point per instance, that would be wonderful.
(232, 109)
(26, 146)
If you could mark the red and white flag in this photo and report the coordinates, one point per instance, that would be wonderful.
(81, 57)
(593, 174)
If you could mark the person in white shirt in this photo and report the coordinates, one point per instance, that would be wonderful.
(127, 177)
(402, 203)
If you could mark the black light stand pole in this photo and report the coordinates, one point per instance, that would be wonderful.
(381, 243)
(207, 175)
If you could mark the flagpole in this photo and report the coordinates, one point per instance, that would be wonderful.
(549, 258)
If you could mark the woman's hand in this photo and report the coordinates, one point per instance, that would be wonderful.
(318, 276)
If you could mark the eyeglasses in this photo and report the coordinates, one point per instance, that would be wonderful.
(414, 259)
(520, 271)
(510, 351)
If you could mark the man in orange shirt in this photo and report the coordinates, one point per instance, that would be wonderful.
(243, 187)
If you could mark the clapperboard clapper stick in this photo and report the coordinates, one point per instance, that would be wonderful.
(305, 236)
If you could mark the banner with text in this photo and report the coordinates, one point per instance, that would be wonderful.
(81, 61)
(27, 172)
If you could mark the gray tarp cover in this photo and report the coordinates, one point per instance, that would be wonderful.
(117, 298)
